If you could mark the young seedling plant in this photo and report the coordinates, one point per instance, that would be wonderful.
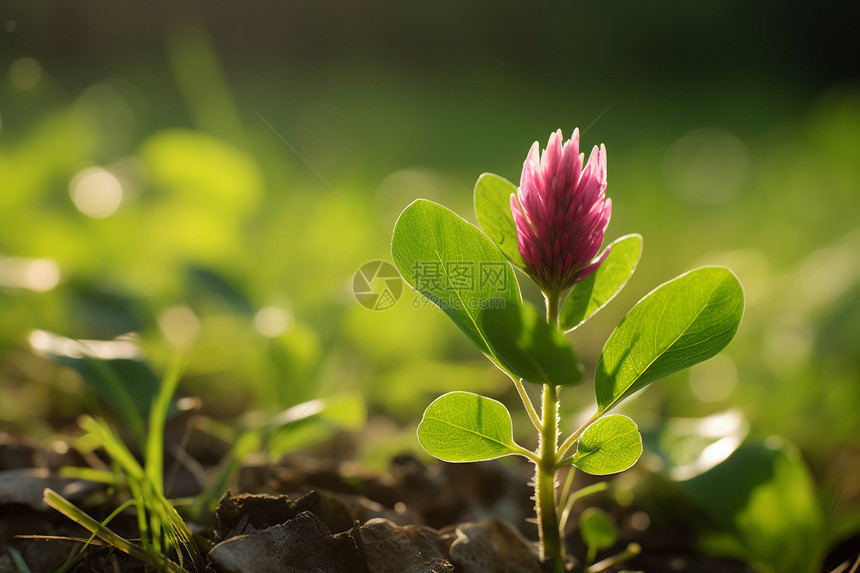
(552, 228)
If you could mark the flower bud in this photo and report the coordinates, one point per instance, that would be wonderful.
(561, 212)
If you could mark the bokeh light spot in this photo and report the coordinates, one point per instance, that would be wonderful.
(105, 108)
(96, 192)
(42, 275)
(124, 347)
(707, 166)
(39, 275)
(179, 325)
(640, 521)
(25, 73)
(272, 321)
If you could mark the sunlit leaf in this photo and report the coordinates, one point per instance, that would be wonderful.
(529, 347)
(682, 322)
(64, 506)
(454, 264)
(121, 381)
(609, 445)
(313, 422)
(115, 369)
(493, 209)
(764, 496)
(466, 427)
(154, 444)
(103, 312)
(590, 295)
(688, 447)
(70, 510)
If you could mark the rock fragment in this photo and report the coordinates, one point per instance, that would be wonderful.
(389, 548)
(492, 545)
(302, 544)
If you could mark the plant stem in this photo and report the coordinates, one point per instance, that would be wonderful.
(545, 502)
(631, 551)
(574, 497)
(553, 298)
(527, 402)
(569, 442)
(552, 549)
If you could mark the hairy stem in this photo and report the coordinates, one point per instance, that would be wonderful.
(574, 438)
(545, 502)
(552, 549)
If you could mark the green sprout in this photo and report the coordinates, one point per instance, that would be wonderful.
(166, 543)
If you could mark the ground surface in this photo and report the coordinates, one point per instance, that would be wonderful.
(320, 511)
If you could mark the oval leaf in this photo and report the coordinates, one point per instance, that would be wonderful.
(609, 445)
(493, 209)
(529, 347)
(466, 427)
(682, 322)
(455, 265)
(590, 295)
(596, 529)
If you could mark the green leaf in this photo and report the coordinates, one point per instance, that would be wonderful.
(158, 412)
(764, 496)
(688, 447)
(466, 427)
(312, 422)
(454, 264)
(493, 209)
(209, 286)
(597, 530)
(125, 382)
(73, 512)
(609, 445)
(529, 347)
(595, 292)
(682, 322)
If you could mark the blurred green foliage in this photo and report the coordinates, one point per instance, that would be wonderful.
(763, 496)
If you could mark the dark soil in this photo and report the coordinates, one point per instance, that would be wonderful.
(321, 512)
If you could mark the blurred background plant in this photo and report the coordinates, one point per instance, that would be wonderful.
(209, 178)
